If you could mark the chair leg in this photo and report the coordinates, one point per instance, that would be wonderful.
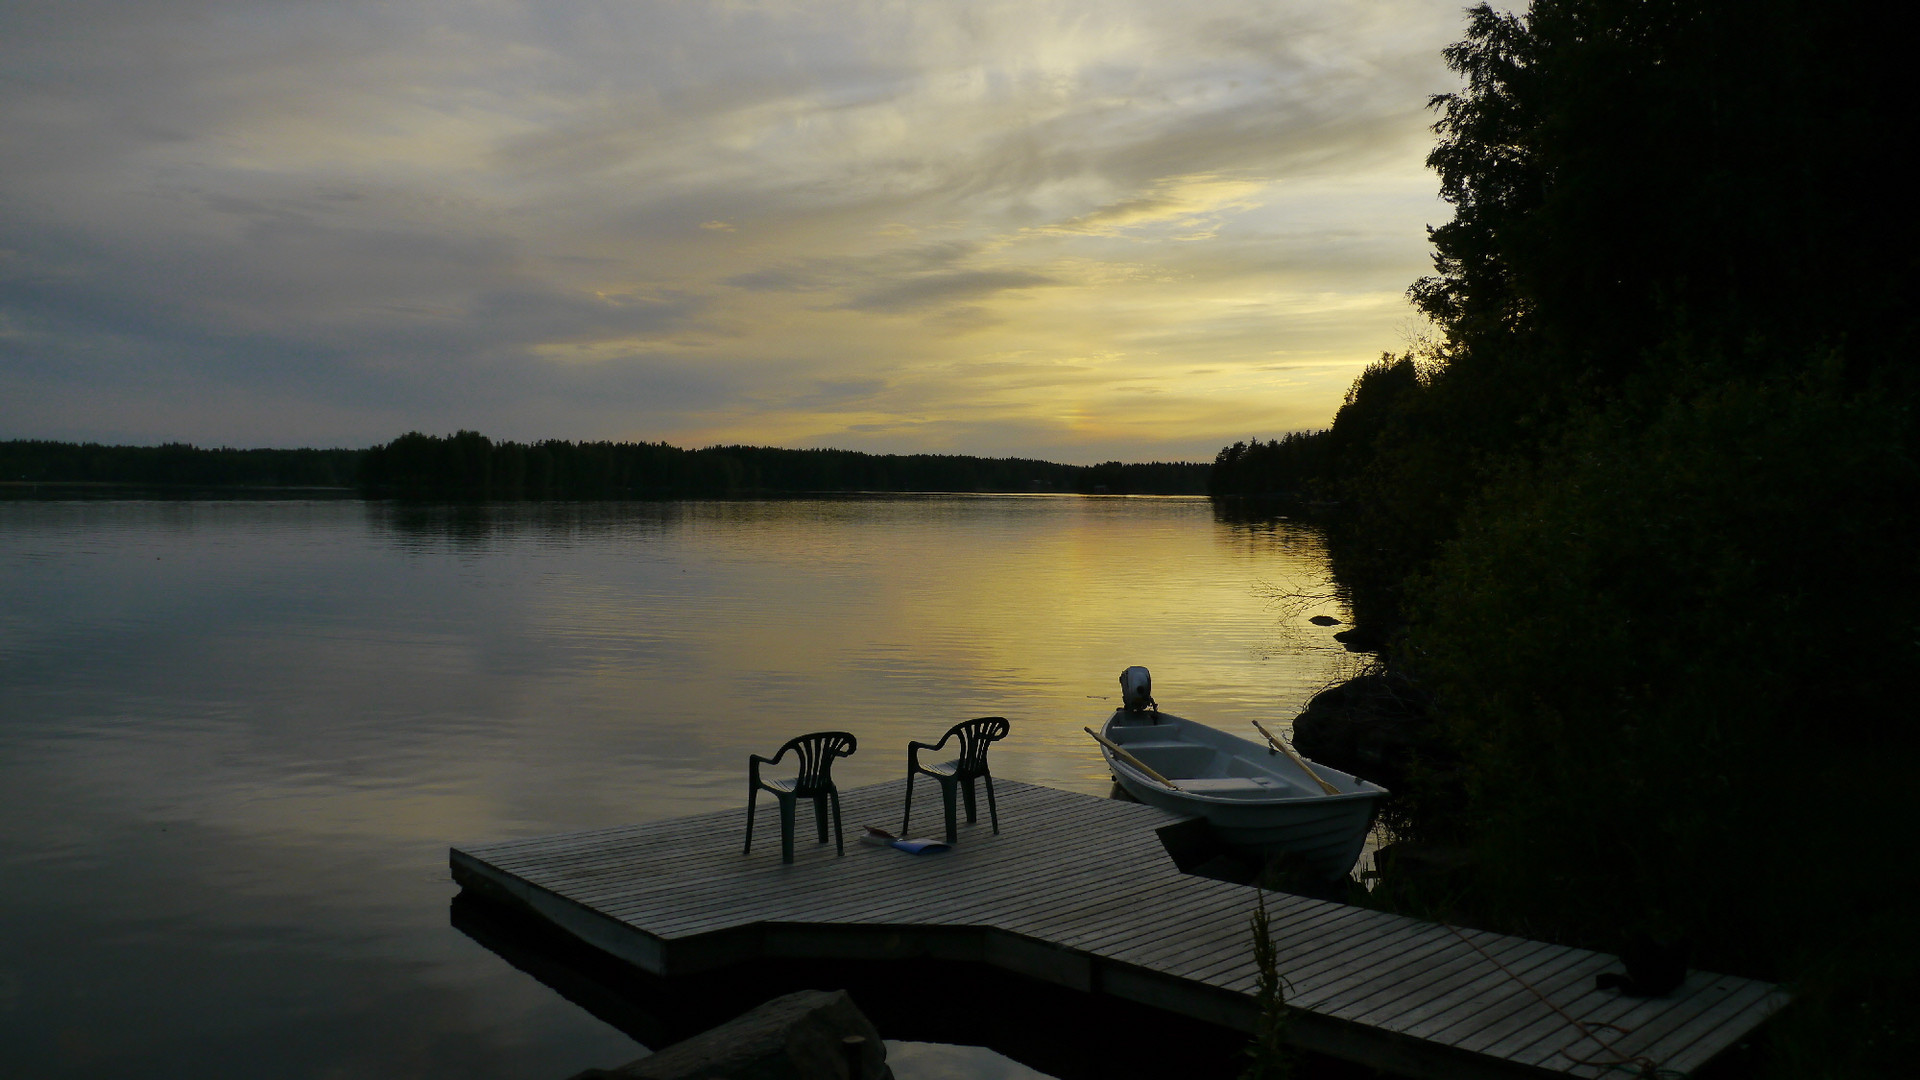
(751, 793)
(906, 820)
(786, 830)
(947, 793)
(839, 842)
(992, 810)
(820, 816)
(973, 814)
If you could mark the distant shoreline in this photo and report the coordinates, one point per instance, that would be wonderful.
(107, 490)
(468, 466)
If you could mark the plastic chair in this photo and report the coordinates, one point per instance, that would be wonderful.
(815, 753)
(975, 737)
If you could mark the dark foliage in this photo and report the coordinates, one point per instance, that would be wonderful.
(1631, 174)
(1641, 523)
(1650, 198)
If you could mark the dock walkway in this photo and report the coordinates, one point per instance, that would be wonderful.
(1079, 891)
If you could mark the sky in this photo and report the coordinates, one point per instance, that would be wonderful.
(1121, 230)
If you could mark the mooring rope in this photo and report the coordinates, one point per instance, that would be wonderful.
(1647, 1066)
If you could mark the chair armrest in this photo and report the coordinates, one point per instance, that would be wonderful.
(914, 748)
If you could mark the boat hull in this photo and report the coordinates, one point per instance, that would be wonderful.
(1253, 798)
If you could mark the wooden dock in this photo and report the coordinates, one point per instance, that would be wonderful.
(1080, 891)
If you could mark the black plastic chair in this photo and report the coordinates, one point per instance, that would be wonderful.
(815, 753)
(975, 737)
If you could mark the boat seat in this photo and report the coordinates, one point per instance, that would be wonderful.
(1176, 759)
(1242, 787)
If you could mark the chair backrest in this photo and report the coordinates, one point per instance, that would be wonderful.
(815, 753)
(975, 737)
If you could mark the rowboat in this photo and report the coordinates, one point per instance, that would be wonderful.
(1261, 799)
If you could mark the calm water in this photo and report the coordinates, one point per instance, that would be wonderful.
(237, 738)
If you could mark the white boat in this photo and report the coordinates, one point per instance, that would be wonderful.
(1254, 797)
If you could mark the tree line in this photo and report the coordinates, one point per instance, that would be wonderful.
(1640, 522)
(468, 465)
(175, 465)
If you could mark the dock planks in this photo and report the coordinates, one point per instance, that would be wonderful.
(1079, 891)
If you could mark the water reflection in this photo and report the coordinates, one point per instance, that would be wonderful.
(238, 737)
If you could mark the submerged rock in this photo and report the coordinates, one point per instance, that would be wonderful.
(807, 1035)
(1359, 640)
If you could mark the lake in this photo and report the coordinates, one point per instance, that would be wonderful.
(237, 737)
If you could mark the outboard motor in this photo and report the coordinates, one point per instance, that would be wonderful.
(1136, 690)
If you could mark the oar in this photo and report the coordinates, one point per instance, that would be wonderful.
(1129, 758)
(1297, 759)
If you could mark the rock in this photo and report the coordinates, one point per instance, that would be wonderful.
(1373, 726)
(1324, 620)
(808, 1035)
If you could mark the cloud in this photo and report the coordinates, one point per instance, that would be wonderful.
(934, 290)
(1183, 202)
(650, 221)
(779, 279)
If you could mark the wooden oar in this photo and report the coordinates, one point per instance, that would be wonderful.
(1297, 759)
(1121, 753)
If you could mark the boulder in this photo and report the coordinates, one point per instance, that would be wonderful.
(807, 1035)
(1373, 726)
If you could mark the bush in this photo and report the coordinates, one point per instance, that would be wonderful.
(1674, 654)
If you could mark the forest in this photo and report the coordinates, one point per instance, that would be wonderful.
(469, 466)
(1637, 527)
